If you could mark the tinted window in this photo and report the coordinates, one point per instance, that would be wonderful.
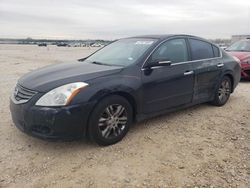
(174, 50)
(201, 49)
(216, 51)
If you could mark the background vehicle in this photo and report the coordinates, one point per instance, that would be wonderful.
(96, 45)
(241, 50)
(126, 81)
(63, 45)
(42, 44)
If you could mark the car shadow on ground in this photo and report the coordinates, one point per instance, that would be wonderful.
(136, 130)
(245, 80)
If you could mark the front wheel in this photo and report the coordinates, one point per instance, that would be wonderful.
(110, 120)
(223, 92)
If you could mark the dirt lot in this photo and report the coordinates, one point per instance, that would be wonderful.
(203, 146)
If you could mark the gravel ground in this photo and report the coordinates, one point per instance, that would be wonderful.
(202, 146)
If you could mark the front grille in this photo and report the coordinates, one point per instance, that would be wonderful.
(22, 95)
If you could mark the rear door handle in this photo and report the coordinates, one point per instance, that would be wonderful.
(188, 73)
(220, 65)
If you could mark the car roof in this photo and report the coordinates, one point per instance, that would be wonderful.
(163, 36)
(154, 36)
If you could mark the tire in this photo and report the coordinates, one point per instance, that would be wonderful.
(222, 92)
(110, 120)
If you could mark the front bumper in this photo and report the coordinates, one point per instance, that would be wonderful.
(245, 70)
(69, 122)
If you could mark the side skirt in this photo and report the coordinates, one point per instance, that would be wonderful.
(141, 117)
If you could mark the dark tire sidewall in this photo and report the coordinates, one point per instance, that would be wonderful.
(217, 101)
(93, 129)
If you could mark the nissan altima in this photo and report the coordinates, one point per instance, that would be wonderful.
(131, 79)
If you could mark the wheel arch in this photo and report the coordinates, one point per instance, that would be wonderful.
(231, 79)
(128, 97)
(99, 96)
(123, 94)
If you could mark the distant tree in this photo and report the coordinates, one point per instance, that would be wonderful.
(28, 39)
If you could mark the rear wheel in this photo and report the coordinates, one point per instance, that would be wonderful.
(223, 92)
(110, 120)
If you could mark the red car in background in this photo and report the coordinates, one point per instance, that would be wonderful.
(241, 50)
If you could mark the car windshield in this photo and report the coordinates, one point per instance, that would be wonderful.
(243, 46)
(123, 52)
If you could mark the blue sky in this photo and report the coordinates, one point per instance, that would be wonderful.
(111, 19)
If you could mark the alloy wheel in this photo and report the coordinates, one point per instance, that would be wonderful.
(112, 121)
(224, 91)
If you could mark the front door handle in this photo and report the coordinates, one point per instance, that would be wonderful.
(220, 65)
(188, 73)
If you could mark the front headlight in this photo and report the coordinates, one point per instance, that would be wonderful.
(62, 95)
(246, 61)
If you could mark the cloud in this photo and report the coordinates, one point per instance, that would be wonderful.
(112, 19)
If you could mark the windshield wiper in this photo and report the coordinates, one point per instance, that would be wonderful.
(96, 62)
(82, 59)
(106, 64)
(100, 63)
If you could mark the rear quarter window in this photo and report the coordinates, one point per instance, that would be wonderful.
(201, 49)
(216, 51)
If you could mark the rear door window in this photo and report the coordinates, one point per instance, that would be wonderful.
(201, 49)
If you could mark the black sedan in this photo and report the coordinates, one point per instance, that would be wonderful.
(127, 81)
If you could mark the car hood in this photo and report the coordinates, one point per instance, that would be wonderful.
(47, 78)
(240, 55)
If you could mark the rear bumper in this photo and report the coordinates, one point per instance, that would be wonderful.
(68, 122)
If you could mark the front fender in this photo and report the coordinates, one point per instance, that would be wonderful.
(102, 87)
